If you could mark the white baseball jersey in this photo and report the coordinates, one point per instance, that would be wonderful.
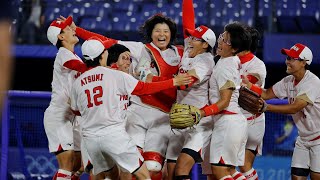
(226, 74)
(58, 116)
(308, 119)
(100, 94)
(198, 96)
(203, 64)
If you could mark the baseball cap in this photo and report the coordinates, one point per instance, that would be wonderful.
(299, 51)
(55, 29)
(94, 46)
(204, 33)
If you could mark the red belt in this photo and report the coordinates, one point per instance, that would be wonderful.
(316, 138)
(253, 117)
(226, 112)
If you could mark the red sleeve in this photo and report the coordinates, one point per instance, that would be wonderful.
(158, 78)
(76, 65)
(150, 88)
(183, 87)
(252, 79)
(187, 16)
(85, 34)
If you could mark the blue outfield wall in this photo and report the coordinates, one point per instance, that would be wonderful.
(273, 43)
(24, 147)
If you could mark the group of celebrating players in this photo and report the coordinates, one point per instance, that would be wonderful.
(113, 106)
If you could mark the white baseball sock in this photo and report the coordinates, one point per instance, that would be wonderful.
(251, 174)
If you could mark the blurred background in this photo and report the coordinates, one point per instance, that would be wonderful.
(282, 23)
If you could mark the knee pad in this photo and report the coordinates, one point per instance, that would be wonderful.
(300, 171)
(153, 160)
(153, 166)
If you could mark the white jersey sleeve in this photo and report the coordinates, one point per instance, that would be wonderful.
(307, 93)
(129, 83)
(66, 56)
(134, 47)
(256, 68)
(280, 89)
(226, 78)
(203, 66)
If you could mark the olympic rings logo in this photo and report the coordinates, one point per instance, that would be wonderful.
(41, 164)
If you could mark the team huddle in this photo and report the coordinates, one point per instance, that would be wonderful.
(151, 110)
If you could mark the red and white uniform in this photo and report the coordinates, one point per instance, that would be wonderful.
(198, 96)
(148, 121)
(96, 94)
(229, 135)
(307, 149)
(58, 117)
(255, 70)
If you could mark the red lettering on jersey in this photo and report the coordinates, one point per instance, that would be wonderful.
(97, 94)
(77, 75)
(97, 77)
(91, 78)
(124, 97)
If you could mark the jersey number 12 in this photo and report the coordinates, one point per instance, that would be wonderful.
(97, 94)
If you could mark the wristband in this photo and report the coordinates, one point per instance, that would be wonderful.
(256, 89)
(211, 110)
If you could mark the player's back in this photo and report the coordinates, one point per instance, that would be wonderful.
(99, 94)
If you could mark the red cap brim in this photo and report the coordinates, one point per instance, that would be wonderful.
(67, 22)
(190, 32)
(288, 53)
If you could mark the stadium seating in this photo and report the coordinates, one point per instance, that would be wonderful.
(292, 16)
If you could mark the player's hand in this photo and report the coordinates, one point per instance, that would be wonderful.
(182, 79)
(73, 25)
(262, 105)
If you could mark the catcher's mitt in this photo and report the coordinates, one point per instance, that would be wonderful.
(250, 100)
(183, 116)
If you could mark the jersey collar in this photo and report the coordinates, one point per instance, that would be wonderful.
(245, 58)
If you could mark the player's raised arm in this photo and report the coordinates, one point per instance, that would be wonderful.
(85, 34)
(187, 16)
